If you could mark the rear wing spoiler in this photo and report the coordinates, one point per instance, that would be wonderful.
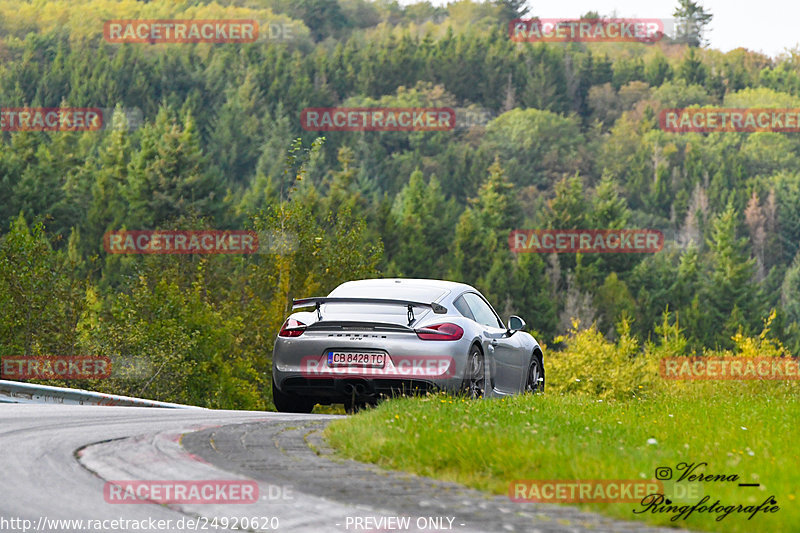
(409, 304)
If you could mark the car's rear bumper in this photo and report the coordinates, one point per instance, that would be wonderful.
(336, 390)
(412, 365)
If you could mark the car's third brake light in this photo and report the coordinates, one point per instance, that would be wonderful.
(292, 328)
(440, 332)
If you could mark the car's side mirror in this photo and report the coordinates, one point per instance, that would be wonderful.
(515, 324)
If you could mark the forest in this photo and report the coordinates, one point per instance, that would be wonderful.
(209, 136)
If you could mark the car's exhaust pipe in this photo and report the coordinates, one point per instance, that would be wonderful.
(356, 389)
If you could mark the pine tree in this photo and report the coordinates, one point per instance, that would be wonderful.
(236, 131)
(342, 184)
(483, 229)
(790, 291)
(691, 69)
(787, 186)
(729, 296)
(424, 220)
(692, 19)
(108, 208)
(657, 71)
(529, 292)
(568, 208)
(169, 175)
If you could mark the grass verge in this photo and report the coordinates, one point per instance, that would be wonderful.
(743, 429)
(489, 444)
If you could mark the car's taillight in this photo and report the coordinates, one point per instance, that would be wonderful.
(440, 332)
(292, 328)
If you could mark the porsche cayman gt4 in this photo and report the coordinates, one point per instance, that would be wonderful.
(381, 337)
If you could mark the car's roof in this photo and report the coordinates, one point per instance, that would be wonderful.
(408, 282)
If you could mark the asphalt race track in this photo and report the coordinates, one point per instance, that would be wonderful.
(55, 461)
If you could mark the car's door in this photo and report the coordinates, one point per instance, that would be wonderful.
(503, 352)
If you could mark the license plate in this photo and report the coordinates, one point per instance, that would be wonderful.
(360, 359)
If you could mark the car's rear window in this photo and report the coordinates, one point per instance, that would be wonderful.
(463, 308)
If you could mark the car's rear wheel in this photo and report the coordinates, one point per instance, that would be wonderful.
(535, 380)
(475, 379)
(290, 403)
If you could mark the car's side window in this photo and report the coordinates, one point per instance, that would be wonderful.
(463, 308)
(481, 310)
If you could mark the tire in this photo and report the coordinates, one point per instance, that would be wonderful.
(534, 382)
(290, 403)
(474, 386)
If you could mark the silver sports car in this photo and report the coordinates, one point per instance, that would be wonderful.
(382, 337)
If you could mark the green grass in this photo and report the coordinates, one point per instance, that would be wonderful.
(335, 409)
(747, 429)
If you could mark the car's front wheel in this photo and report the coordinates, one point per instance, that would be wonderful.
(535, 380)
(290, 403)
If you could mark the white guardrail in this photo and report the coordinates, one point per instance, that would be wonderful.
(18, 392)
